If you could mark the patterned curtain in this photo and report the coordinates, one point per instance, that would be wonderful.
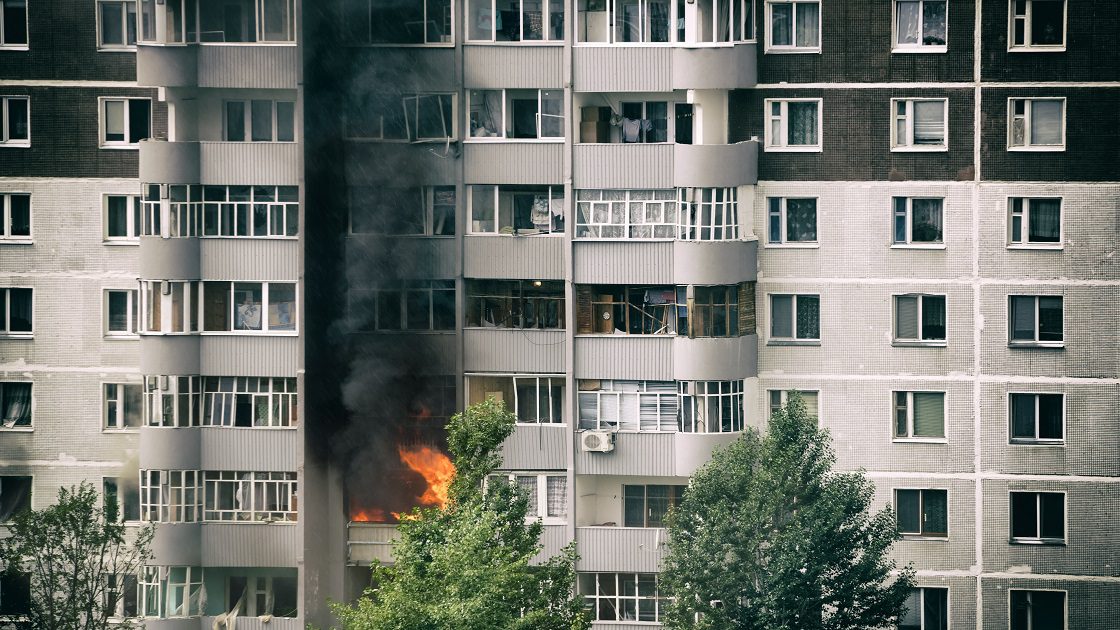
(802, 124)
(17, 404)
(1045, 220)
(933, 16)
(808, 317)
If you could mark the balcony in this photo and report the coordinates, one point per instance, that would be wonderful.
(661, 68)
(665, 357)
(256, 258)
(250, 545)
(512, 66)
(259, 355)
(533, 257)
(367, 542)
(177, 544)
(165, 162)
(167, 448)
(234, 448)
(664, 262)
(170, 354)
(514, 162)
(261, 66)
(419, 164)
(620, 549)
(652, 454)
(540, 447)
(257, 163)
(514, 350)
(643, 166)
(170, 258)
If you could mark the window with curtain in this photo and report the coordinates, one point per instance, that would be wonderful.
(1038, 24)
(794, 25)
(795, 317)
(920, 25)
(918, 221)
(793, 124)
(920, 124)
(919, 415)
(922, 513)
(792, 220)
(1036, 124)
(15, 405)
(1034, 221)
(919, 319)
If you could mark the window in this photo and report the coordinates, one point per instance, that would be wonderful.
(15, 312)
(517, 304)
(792, 221)
(250, 496)
(116, 23)
(122, 217)
(919, 319)
(1037, 418)
(15, 114)
(412, 305)
(793, 125)
(121, 313)
(919, 26)
(15, 404)
(260, 121)
(122, 596)
(516, 114)
(795, 26)
(687, 214)
(170, 496)
(715, 312)
(1036, 124)
(927, 608)
(411, 117)
(249, 307)
(918, 221)
(919, 415)
(638, 310)
(262, 595)
(645, 121)
(377, 22)
(517, 210)
(780, 397)
(515, 21)
(1038, 517)
(231, 21)
(922, 513)
(241, 401)
(1037, 25)
(169, 306)
(15, 217)
(535, 399)
(549, 491)
(13, 23)
(123, 406)
(1035, 320)
(1037, 610)
(661, 21)
(1034, 222)
(622, 596)
(172, 401)
(647, 506)
(125, 495)
(795, 317)
(920, 124)
(171, 592)
(180, 211)
(394, 211)
(125, 121)
(15, 597)
(665, 406)
(15, 496)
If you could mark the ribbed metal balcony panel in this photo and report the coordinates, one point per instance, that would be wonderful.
(163, 162)
(248, 66)
(177, 544)
(166, 66)
(536, 448)
(511, 67)
(622, 165)
(661, 68)
(249, 163)
(169, 258)
(715, 359)
(170, 354)
(715, 67)
(249, 355)
(553, 539)
(249, 259)
(235, 448)
(369, 542)
(623, 262)
(250, 545)
(715, 165)
(513, 162)
(512, 350)
(652, 454)
(620, 549)
(522, 257)
(626, 357)
(166, 448)
(714, 262)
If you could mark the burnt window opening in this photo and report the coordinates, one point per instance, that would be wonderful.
(520, 304)
(15, 496)
(701, 311)
(395, 211)
(414, 305)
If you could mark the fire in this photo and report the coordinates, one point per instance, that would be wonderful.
(436, 469)
(368, 515)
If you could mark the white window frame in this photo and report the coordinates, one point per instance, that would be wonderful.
(1035, 343)
(507, 124)
(134, 209)
(111, 586)
(170, 218)
(164, 499)
(113, 407)
(922, 604)
(1024, 215)
(1038, 540)
(909, 436)
(909, 242)
(1027, 122)
(794, 340)
(247, 120)
(555, 193)
(26, 28)
(541, 499)
(779, 144)
(281, 487)
(783, 400)
(1036, 440)
(30, 426)
(920, 535)
(545, 10)
(451, 41)
(172, 394)
(920, 326)
(6, 311)
(513, 406)
(190, 316)
(658, 599)
(5, 140)
(920, 47)
(156, 584)
(792, 48)
(1030, 617)
(1031, 47)
(120, 502)
(132, 316)
(6, 236)
(125, 5)
(220, 396)
(102, 123)
(783, 219)
(907, 144)
(265, 304)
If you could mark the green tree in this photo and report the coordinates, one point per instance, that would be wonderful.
(468, 566)
(73, 555)
(767, 537)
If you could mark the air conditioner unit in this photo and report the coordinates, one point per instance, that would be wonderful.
(596, 441)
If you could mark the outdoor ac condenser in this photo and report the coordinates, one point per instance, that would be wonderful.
(596, 441)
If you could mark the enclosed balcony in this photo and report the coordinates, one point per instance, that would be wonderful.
(515, 325)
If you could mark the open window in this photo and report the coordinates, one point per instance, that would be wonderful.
(521, 210)
(170, 592)
(249, 496)
(516, 114)
(648, 505)
(170, 496)
(1038, 517)
(1037, 26)
(125, 121)
(169, 306)
(249, 307)
(122, 406)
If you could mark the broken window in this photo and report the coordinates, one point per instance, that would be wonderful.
(411, 305)
(395, 211)
(259, 595)
(15, 312)
(516, 114)
(15, 496)
(171, 592)
(249, 496)
(535, 399)
(515, 304)
(181, 211)
(123, 405)
(414, 22)
(639, 310)
(125, 495)
(15, 404)
(172, 401)
(515, 20)
(249, 306)
(170, 496)
(547, 494)
(395, 116)
(122, 596)
(667, 406)
(249, 402)
(517, 209)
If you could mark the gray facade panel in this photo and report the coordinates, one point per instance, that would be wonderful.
(514, 162)
(400, 164)
(620, 549)
(250, 163)
(623, 262)
(255, 66)
(536, 448)
(249, 259)
(622, 165)
(165, 448)
(715, 68)
(553, 540)
(510, 67)
(167, 66)
(722, 262)
(163, 162)
(649, 454)
(502, 350)
(957, 552)
(630, 357)
(169, 258)
(693, 450)
(250, 544)
(244, 355)
(177, 544)
(522, 257)
(622, 69)
(1091, 605)
(265, 450)
(170, 354)
(715, 165)
(710, 359)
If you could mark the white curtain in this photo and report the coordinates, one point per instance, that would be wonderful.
(1046, 122)
(17, 401)
(908, 22)
(808, 19)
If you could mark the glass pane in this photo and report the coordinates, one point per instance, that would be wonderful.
(909, 511)
(247, 297)
(1022, 416)
(1053, 515)
(19, 223)
(281, 306)
(262, 121)
(1024, 515)
(808, 317)
(1050, 416)
(1048, 22)
(781, 316)
(285, 121)
(801, 220)
(114, 121)
(802, 130)
(929, 122)
(1046, 122)
(927, 220)
(19, 310)
(808, 16)
(908, 21)
(935, 518)
(912, 618)
(1022, 318)
(118, 216)
(118, 311)
(933, 317)
(1049, 318)
(933, 19)
(482, 209)
(929, 414)
(139, 119)
(276, 20)
(906, 317)
(235, 121)
(781, 24)
(112, 25)
(1045, 221)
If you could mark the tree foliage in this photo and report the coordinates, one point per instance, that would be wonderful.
(468, 566)
(68, 552)
(766, 537)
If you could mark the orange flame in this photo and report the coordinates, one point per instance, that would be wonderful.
(436, 469)
(368, 515)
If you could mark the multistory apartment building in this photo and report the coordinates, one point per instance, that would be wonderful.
(310, 233)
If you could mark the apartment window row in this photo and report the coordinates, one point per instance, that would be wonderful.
(661, 406)
(920, 319)
(648, 505)
(521, 210)
(415, 305)
(427, 22)
(622, 596)
(182, 211)
(1034, 517)
(260, 121)
(123, 122)
(233, 21)
(396, 211)
(665, 22)
(219, 401)
(241, 307)
(547, 494)
(918, 124)
(697, 311)
(535, 399)
(516, 304)
(687, 214)
(188, 496)
(516, 114)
